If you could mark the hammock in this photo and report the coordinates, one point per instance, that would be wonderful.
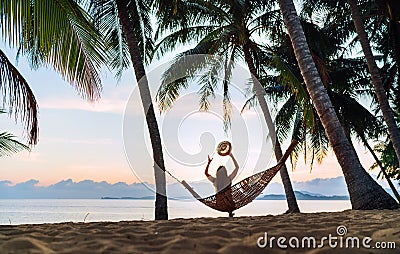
(244, 192)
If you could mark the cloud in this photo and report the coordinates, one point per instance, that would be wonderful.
(113, 101)
(327, 186)
(104, 105)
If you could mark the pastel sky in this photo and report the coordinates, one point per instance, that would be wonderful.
(79, 140)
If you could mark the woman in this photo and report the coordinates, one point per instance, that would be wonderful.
(222, 183)
(222, 180)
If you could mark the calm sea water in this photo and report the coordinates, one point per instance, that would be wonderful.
(32, 211)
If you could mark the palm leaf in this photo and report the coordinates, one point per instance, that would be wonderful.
(183, 68)
(298, 133)
(284, 118)
(19, 98)
(106, 18)
(57, 34)
(179, 37)
(319, 144)
(8, 145)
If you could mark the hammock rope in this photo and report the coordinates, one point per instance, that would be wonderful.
(242, 193)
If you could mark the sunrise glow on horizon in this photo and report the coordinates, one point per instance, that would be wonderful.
(84, 141)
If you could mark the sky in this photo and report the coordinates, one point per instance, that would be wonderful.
(108, 140)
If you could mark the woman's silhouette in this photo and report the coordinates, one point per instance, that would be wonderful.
(222, 183)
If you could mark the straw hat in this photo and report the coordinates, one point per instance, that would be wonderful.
(224, 148)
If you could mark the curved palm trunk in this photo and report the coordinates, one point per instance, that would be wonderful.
(364, 192)
(161, 211)
(387, 112)
(260, 93)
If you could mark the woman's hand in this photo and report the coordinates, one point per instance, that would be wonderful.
(209, 159)
(206, 171)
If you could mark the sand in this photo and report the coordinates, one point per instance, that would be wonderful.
(204, 235)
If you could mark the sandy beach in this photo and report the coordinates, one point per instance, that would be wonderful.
(210, 235)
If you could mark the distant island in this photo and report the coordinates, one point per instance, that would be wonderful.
(134, 198)
(145, 198)
(303, 196)
(300, 195)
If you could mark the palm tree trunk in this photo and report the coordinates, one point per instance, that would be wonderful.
(161, 211)
(364, 192)
(260, 93)
(383, 170)
(387, 112)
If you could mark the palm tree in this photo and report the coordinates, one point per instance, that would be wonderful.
(351, 114)
(343, 78)
(297, 113)
(388, 115)
(224, 29)
(126, 24)
(364, 192)
(382, 26)
(8, 143)
(56, 34)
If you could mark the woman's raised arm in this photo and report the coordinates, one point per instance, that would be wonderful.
(235, 171)
(212, 179)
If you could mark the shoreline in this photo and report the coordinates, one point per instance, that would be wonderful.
(206, 235)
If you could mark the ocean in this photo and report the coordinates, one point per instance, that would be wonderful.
(34, 211)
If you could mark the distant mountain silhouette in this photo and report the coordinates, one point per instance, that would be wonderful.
(300, 195)
(316, 189)
(303, 196)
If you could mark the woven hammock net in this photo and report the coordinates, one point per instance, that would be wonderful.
(243, 192)
(239, 194)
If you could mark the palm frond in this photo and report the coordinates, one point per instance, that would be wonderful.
(298, 133)
(19, 98)
(9, 145)
(105, 16)
(250, 102)
(206, 91)
(284, 118)
(183, 69)
(318, 144)
(57, 34)
(289, 78)
(356, 115)
(183, 14)
(182, 36)
(229, 64)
